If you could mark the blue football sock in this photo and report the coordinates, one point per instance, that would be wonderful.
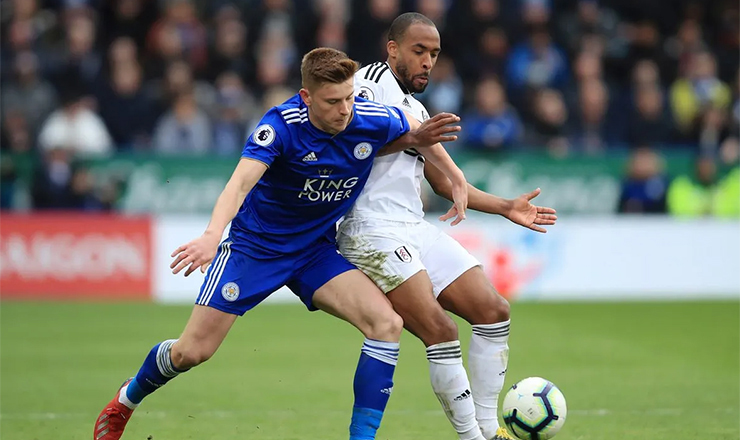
(156, 371)
(373, 386)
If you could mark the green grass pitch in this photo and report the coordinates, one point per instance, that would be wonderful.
(652, 371)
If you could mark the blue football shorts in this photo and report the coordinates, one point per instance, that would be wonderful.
(236, 282)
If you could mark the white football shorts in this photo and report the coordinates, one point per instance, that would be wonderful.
(390, 252)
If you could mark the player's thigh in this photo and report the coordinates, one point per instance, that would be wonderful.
(234, 283)
(446, 260)
(422, 315)
(472, 297)
(382, 250)
(353, 297)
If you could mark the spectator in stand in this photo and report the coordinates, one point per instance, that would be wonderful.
(490, 60)
(82, 192)
(24, 29)
(587, 66)
(29, 94)
(721, 26)
(645, 43)
(276, 51)
(236, 106)
(184, 130)
(704, 194)
(590, 17)
(51, 180)
(480, 23)
(76, 128)
(331, 31)
(435, 10)
(369, 23)
(650, 122)
(179, 79)
(122, 50)
(179, 34)
(646, 73)
(17, 136)
(229, 51)
(128, 112)
(495, 125)
(547, 126)
(687, 41)
(591, 128)
(698, 93)
(78, 60)
(644, 188)
(535, 64)
(127, 18)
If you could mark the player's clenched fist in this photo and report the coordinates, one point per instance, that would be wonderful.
(196, 254)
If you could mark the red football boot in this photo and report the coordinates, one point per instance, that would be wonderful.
(113, 419)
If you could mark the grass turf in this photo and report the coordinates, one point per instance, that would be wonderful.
(657, 371)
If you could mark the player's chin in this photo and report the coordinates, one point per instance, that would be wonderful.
(419, 88)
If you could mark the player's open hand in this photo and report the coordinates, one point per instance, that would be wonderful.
(197, 254)
(437, 129)
(524, 213)
(460, 200)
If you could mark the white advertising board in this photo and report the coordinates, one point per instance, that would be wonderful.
(601, 258)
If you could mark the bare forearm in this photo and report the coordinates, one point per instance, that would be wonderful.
(245, 176)
(227, 205)
(483, 202)
(477, 200)
(439, 157)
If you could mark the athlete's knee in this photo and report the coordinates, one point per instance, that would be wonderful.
(437, 329)
(496, 309)
(188, 355)
(386, 327)
(499, 309)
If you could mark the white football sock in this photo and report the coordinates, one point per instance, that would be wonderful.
(123, 398)
(487, 360)
(450, 384)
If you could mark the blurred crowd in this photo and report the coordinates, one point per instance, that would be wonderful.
(89, 78)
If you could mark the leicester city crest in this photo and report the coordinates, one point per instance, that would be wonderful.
(230, 291)
(363, 150)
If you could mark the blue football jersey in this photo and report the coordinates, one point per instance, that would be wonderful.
(313, 177)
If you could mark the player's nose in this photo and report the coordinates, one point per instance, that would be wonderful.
(426, 62)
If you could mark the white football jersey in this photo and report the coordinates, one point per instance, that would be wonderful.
(393, 190)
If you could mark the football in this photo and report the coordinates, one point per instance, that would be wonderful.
(534, 409)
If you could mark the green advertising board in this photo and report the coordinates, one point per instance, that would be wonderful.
(158, 184)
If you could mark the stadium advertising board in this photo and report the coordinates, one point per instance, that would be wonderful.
(625, 258)
(68, 256)
(191, 185)
(583, 259)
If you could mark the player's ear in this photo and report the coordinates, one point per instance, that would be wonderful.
(392, 48)
(305, 96)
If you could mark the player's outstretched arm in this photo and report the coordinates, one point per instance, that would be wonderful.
(199, 252)
(520, 210)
